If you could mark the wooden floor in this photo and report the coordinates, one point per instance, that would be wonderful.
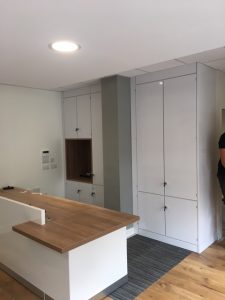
(197, 277)
(12, 290)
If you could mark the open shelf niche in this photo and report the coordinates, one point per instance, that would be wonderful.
(79, 160)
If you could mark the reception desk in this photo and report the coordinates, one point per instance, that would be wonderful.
(66, 249)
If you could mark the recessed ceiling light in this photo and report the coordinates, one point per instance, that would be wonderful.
(64, 46)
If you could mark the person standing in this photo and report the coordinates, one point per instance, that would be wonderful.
(221, 165)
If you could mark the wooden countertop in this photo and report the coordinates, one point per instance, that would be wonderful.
(71, 223)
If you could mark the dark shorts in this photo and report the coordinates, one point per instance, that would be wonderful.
(222, 184)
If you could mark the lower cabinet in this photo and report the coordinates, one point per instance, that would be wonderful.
(174, 218)
(71, 190)
(85, 192)
(151, 212)
(98, 195)
(181, 219)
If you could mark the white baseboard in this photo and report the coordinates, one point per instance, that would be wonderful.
(165, 239)
(131, 231)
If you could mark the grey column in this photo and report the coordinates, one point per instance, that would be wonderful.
(116, 113)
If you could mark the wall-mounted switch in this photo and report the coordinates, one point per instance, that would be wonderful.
(45, 167)
(53, 166)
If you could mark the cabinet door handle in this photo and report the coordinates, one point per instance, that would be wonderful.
(78, 191)
(93, 194)
(164, 183)
(89, 174)
(165, 208)
(77, 129)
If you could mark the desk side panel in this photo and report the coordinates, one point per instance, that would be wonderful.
(44, 268)
(97, 265)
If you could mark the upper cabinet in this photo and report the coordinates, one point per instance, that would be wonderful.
(77, 117)
(70, 117)
(149, 109)
(166, 137)
(180, 138)
(82, 116)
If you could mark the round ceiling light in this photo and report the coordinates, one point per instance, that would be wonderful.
(64, 46)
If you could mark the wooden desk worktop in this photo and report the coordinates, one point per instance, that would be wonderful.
(71, 223)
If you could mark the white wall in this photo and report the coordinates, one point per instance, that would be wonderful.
(220, 97)
(207, 155)
(30, 121)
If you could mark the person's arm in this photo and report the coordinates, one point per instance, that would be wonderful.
(222, 156)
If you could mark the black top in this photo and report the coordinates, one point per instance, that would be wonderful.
(221, 169)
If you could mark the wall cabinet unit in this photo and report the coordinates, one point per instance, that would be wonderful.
(82, 114)
(77, 117)
(175, 155)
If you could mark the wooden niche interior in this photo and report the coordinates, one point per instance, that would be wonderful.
(79, 160)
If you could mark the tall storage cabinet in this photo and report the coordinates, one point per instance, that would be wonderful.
(170, 155)
(82, 115)
(149, 110)
(180, 137)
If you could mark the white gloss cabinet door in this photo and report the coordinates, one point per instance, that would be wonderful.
(98, 195)
(72, 190)
(70, 119)
(151, 212)
(84, 116)
(85, 193)
(97, 142)
(180, 137)
(181, 219)
(149, 110)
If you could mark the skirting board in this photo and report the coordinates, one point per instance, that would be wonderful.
(168, 240)
(131, 231)
(25, 283)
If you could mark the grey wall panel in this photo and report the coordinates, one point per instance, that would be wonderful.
(124, 136)
(116, 112)
(110, 143)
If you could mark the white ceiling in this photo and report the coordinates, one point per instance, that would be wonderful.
(152, 68)
(213, 58)
(115, 36)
